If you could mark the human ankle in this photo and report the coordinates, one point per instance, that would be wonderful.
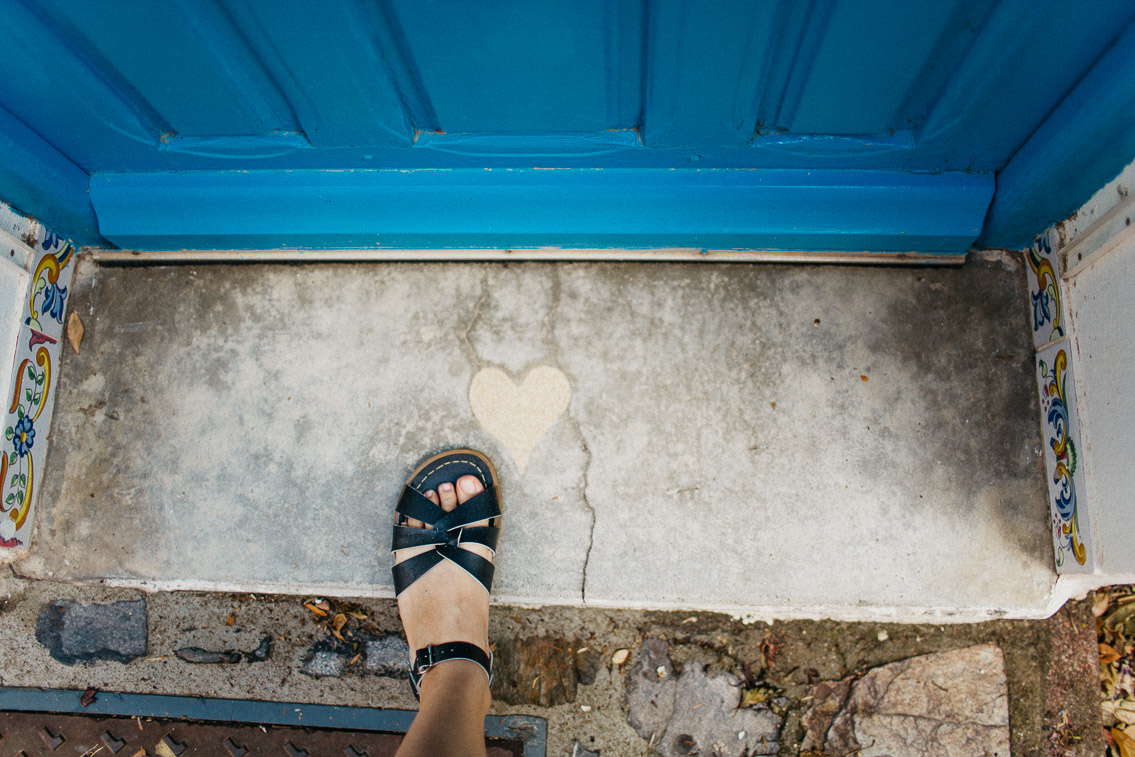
(463, 680)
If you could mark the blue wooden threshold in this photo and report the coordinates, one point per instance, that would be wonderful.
(880, 211)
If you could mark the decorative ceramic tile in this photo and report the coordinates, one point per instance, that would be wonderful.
(1061, 435)
(1045, 290)
(28, 413)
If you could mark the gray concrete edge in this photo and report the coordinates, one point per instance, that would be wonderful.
(1064, 588)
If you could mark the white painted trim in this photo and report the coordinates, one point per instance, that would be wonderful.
(1111, 231)
(13, 251)
(557, 254)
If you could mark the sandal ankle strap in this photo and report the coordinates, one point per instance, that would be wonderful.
(428, 657)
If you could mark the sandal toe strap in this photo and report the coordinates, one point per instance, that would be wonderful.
(447, 532)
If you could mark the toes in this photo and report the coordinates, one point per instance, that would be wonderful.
(448, 496)
(467, 488)
(431, 495)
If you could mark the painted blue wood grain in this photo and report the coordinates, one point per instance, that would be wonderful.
(512, 65)
(864, 68)
(42, 183)
(1025, 59)
(639, 208)
(186, 60)
(59, 86)
(340, 66)
(707, 62)
(1082, 146)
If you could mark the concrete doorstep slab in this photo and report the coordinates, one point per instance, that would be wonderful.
(770, 441)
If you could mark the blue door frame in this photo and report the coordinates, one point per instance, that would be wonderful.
(830, 125)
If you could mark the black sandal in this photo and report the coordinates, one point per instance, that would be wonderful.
(446, 532)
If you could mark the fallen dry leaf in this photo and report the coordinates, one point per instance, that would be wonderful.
(75, 331)
(754, 696)
(862, 377)
(1120, 615)
(1125, 712)
(1100, 600)
(316, 609)
(1125, 743)
(88, 696)
(1108, 654)
(231, 619)
(337, 624)
(620, 657)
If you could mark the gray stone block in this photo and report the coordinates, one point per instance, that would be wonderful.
(695, 712)
(388, 656)
(75, 632)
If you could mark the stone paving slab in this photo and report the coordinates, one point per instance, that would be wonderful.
(953, 704)
(782, 441)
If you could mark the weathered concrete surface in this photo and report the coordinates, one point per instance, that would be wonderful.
(953, 704)
(1053, 681)
(767, 440)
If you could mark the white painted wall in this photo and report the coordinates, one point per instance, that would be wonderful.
(1098, 254)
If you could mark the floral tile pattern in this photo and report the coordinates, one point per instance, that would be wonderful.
(1060, 424)
(1061, 435)
(1045, 289)
(28, 410)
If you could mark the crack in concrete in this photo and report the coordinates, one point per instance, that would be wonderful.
(590, 510)
(471, 352)
(553, 348)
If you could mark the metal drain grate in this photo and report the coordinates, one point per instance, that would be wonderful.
(53, 722)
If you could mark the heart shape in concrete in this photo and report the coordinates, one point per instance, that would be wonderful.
(519, 415)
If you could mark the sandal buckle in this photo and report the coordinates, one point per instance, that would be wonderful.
(424, 660)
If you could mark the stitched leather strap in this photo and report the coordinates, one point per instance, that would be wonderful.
(409, 571)
(448, 531)
(428, 657)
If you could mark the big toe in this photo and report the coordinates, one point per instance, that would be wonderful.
(468, 487)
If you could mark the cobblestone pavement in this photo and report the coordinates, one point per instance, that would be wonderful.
(608, 682)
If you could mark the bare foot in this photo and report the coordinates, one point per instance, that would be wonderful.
(446, 604)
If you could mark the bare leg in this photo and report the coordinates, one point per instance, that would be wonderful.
(451, 719)
(447, 604)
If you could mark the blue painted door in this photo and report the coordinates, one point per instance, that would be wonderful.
(824, 125)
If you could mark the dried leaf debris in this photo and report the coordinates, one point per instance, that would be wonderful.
(1114, 608)
(75, 331)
